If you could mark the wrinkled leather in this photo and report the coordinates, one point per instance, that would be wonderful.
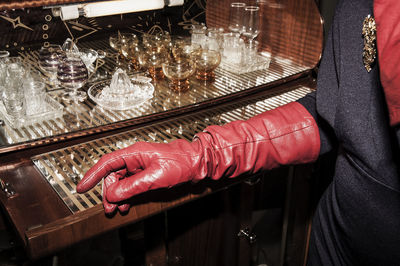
(285, 135)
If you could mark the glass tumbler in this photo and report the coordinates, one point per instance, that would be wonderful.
(236, 13)
(35, 94)
(3, 68)
(13, 94)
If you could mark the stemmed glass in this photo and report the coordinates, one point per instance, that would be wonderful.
(72, 75)
(236, 17)
(251, 23)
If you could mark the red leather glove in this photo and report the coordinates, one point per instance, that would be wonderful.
(285, 135)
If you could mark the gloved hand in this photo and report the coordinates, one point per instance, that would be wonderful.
(285, 135)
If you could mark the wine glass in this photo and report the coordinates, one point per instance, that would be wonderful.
(236, 17)
(251, 22)
(72, 74)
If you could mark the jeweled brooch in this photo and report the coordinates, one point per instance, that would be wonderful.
(369, 34)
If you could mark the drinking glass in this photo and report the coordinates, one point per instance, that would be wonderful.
(35, 94)
(198, 34)
(233, 48)
(13, 94)
(236, 17)
(118, 41)
(152, 60)
(251, 22)
(178, 72)
(72, 75)
(3, 67)
(206, 63)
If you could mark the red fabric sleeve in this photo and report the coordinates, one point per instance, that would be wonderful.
(387, 17)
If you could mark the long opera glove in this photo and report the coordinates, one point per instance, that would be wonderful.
(285, 135)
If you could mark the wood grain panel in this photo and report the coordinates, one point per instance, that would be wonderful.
(18, 4)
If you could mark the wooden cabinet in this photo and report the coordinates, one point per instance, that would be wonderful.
(192, 224)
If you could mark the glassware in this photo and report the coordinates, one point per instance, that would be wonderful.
(69, 46)
(121, 93)
(199, 34)
(13, 94)
(152, 60)
(206, 63)
(88, 56)
(3, 68)
(178, 72)
(72, 75)
(131, 52)
(214, 39)
(236, 13)
(4, 54)
(159, 40)
(251, 22)
(35, 94)
(49, 59)
(187, 50)
(232, 48)
(120, 40)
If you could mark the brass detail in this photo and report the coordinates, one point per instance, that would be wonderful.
(369, 34)
(16, 22)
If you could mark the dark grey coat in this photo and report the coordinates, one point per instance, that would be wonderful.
(358, 217)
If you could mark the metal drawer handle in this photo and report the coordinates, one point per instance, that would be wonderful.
(6, 188)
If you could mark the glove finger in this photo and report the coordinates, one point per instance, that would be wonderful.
(111, 179)
(148, 179)
(123, 207)
(108, 163)
(108, 207)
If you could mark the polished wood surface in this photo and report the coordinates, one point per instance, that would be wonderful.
(17, 4)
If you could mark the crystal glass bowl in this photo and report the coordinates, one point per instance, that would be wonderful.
(206, 62)
(178, 73)
(152, 60)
